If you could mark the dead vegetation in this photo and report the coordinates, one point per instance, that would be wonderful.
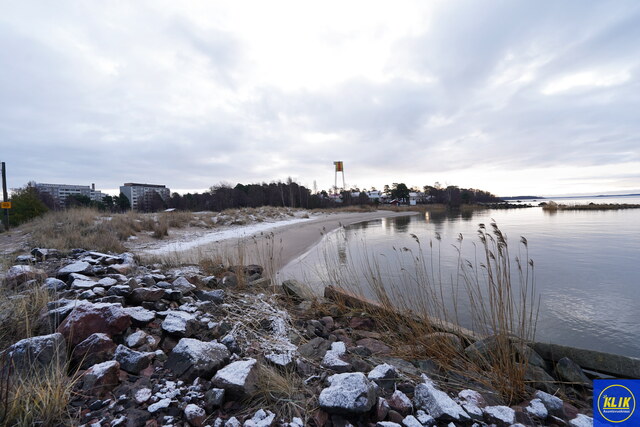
(422, 309)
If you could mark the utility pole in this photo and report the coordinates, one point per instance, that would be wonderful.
(5, 197)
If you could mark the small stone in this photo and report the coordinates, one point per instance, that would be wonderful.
(192, 358)
(55, 285)
(261, 418)
(195, 415)
(214, 398)
(400, 402)
(581, 421)
(132, 361)
(142, 395)
(500, 415)
(138, 338)
(437, 403)
(239, 379)
(183, 285)
(76, 267)
(537, 409)
(554, 404)
(472, 402)
(385, 375)
(139, 315)
(315, 349)
(426, 419)
(178, 323)
(348, 393)
(376, 346)
(101, 378)
(332, 358)
(159, 405)
(141, 295)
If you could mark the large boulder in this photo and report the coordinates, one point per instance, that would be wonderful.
(87, 319)
(40, 353)
(569, 371)
(192, 358)
(348, 394)
(238, 379)
(437, 403)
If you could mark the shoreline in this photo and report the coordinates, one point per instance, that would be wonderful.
(290, 240)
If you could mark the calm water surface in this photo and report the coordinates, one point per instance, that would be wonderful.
(587, 264)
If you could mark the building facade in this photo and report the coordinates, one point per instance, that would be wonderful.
(140, 195)
(60, 192)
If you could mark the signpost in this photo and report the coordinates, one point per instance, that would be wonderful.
(6, 204)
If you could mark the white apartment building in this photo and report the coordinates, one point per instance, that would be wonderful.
(60, 192)
(139, 193)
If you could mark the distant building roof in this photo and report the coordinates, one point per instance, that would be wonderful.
(136, 184)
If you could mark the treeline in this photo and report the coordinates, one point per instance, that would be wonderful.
(455, 196)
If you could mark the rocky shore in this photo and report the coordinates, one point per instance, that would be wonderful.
(146, 345)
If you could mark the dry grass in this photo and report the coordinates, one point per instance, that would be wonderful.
(283, 391)
(40, 397)
(20, 315)
(417, 299)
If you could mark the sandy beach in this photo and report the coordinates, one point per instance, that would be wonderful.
(289, 239)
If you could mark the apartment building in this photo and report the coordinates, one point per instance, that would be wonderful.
(140, 194)
(60, 192)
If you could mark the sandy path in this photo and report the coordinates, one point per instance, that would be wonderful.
(285, 243)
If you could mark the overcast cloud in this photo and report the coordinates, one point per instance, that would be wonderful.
(514, 97)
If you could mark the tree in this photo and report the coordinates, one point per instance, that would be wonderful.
(25, 205)
(122, 202)
(400, 191)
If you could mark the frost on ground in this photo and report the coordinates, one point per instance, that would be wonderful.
(192, 238)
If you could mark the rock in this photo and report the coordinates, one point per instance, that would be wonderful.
(283, 360)
(214, 398)
(365, 323)
(411, 421)
(97, 348)
(232, 422)
(25, 259)
(229, 280)
(179, 323)
(348, 394)
(124, 269)
(140, 316)
(387, 424)
(554, 404)
(183, 285)
(100, 379)
(315, 349)
(141, 295)
(569, 371)
(192, 358)
(87, 319)
(81, 267)
(426, 419)
(132, 361)
(138, 339)
(83, 284)
(42, 254)
(539, 378)
(238, 379)
(445, 340)
(297, 290)
(216, 296)
(261, 418)
(107, 282)
(401, 403)
(159, 405)
(42, 353)
(332, 358)
(384, 375)
(21, 274)
(537, 409)
(472, 402)
(143, 395)
(382, 409)
(581, 421)
(195, 415)
(55, 285)
(376, 346)
(500, 415)
(437, 403)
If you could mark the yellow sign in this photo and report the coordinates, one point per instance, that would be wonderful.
(5, 205)
(339, 166)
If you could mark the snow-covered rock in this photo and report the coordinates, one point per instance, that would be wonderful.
(19, 274)
(554, 404)
(472, 402)
(537, 409)
(195, 415)
(193, 358)
(332, 358)
(411, 421)
(178, 323)
(384, 375)
(239, 379)
(581, 420)
(500, 415)
(101, 378)
(348, 393)
(76, 267)
(159, 405)
(437, 403)
(87, 319)
(140, 316)
(132, 361)
(400, 402)
(143, 395)
(41, 352)
(261, 418)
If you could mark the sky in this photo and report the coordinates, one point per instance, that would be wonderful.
(535, 97)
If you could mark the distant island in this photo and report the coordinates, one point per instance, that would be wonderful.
(522, 198)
